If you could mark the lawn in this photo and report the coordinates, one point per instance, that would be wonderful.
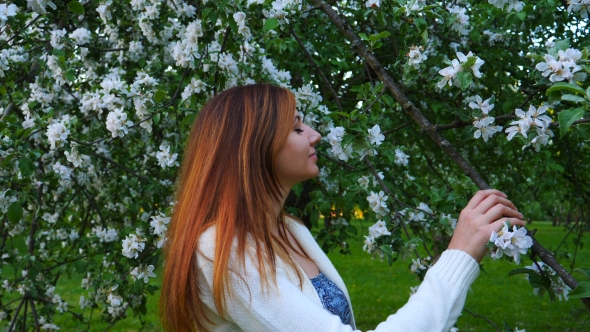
(378, 290)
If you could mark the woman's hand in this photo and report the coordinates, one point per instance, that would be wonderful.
(486, 212)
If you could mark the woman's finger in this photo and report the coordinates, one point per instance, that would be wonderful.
(491, 201)
(500, 211)
(480, 196)
(498, 224)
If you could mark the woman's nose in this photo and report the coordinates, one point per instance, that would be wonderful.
(314, 137)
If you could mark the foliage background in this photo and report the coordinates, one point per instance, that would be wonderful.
(86, 194)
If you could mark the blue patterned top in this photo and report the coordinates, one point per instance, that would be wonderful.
(332, 298)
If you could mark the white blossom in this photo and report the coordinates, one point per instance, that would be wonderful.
(401, 159)
(416, 57)
(484, 105)
(364, 182)
(378, 203)
(132, 246)
(461, 23)
(583, 6)
(117, 123)
(57, 134)
(512, 244)
(375, 136)
(379, 229)
(5, 201)
(165, 158)
(81, 35)
(142, 272)
(560, 289)
(7, 11)
(563, 68)
(373, 3)
(485, 128)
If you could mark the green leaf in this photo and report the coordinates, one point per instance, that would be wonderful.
(465, 79)
(573, 98)
(156, 118)
(583, 290)
(386, 248)
(522, 271)
(297, 189)
(70, 75)
(565, 86)
(475, 36)
(566, 118)
(270, 24)
(521, 15)
(420, 23)
(76, 7)
(159, 95)
(26, 167)
(585, 272)
(15, 212)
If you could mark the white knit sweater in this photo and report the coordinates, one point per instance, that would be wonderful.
(288, 307)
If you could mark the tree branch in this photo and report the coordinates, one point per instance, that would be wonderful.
(10, 328)
(35, 317)
(98, 49)
(123, 167)
(18, 33)
(430, 130)
(317, 69)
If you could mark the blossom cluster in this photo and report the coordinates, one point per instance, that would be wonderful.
(559, 288)
(484, 122)
(376, 231)
(335, 139)
(565, 67)
(421, 264)
(583, 6)
(512, 244)
(515, 5)
(133, 245)
(461, 64)
(534, 117)
(158, 224)
(378, 203)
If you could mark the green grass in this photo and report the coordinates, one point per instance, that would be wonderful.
(377, 290)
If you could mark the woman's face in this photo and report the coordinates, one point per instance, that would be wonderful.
(296, 161)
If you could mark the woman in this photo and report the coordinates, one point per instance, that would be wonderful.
(235, 261)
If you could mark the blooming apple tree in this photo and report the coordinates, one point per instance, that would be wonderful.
(418, 102)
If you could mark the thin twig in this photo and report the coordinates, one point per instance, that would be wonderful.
(374, 101)
(225, 38)
(18, 33)
(123, 167)
(345, 165)
(177, 92)
(390, 193)
(10, 328)
(98, 49)
(482, 317)
(398, 128)
(317, 69)
(34, 311)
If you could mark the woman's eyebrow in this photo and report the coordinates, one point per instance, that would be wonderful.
(297, 119)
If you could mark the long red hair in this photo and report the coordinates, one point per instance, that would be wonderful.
(227, 179)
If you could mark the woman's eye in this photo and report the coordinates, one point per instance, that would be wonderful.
(299, 130)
